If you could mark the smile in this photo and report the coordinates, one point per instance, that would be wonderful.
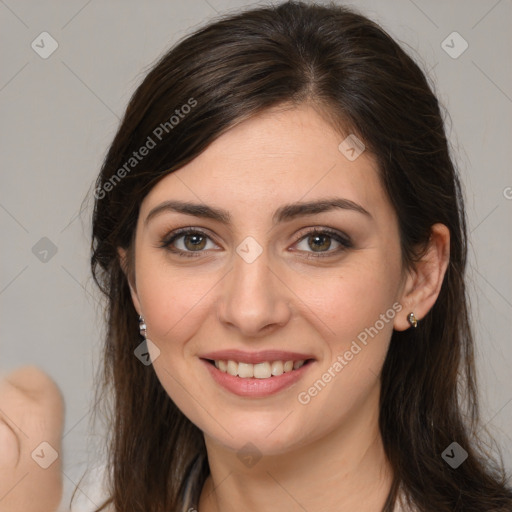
(263, 370)
(264, 377)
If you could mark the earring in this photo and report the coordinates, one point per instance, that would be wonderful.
(412, 320)
(142, 327)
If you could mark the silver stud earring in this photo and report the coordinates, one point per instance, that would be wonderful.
(142, 327)
(412, 320)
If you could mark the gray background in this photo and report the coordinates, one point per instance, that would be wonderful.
(58, 116)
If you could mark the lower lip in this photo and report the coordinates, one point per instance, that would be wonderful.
(252, 387)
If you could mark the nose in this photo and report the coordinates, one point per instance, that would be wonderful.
(254, 299)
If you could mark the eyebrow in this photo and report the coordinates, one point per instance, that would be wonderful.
(284, 213)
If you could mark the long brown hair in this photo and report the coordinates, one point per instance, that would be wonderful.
(352, 71)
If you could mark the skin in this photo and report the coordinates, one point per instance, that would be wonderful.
(284, 301)
(31, 412)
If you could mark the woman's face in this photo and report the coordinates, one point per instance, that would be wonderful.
(273, 271)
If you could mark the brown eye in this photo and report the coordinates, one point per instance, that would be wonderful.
(187, 242)
(319, 243)
(194, 242)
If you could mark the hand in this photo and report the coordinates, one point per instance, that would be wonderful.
(31, 413)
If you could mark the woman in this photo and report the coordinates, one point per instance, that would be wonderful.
(281, 237)
(279, 217)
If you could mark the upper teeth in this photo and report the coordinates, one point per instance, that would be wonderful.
(259, 370)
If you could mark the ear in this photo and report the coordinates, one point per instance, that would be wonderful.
(424, 280)
(133, 290)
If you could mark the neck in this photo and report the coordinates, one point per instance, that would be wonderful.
(343, 471)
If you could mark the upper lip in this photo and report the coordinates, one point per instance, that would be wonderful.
(241, 356)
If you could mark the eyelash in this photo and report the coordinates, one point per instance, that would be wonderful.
(344, 241)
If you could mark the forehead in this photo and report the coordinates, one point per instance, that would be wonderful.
(276, 157)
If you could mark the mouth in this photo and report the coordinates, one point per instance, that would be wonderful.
(257, 374)
(261, 370)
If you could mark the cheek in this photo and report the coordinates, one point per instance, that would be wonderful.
(172, 300)
(359, 312)
(351, 299)
(355, 313)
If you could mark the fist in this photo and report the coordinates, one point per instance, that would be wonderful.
(31, 423)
